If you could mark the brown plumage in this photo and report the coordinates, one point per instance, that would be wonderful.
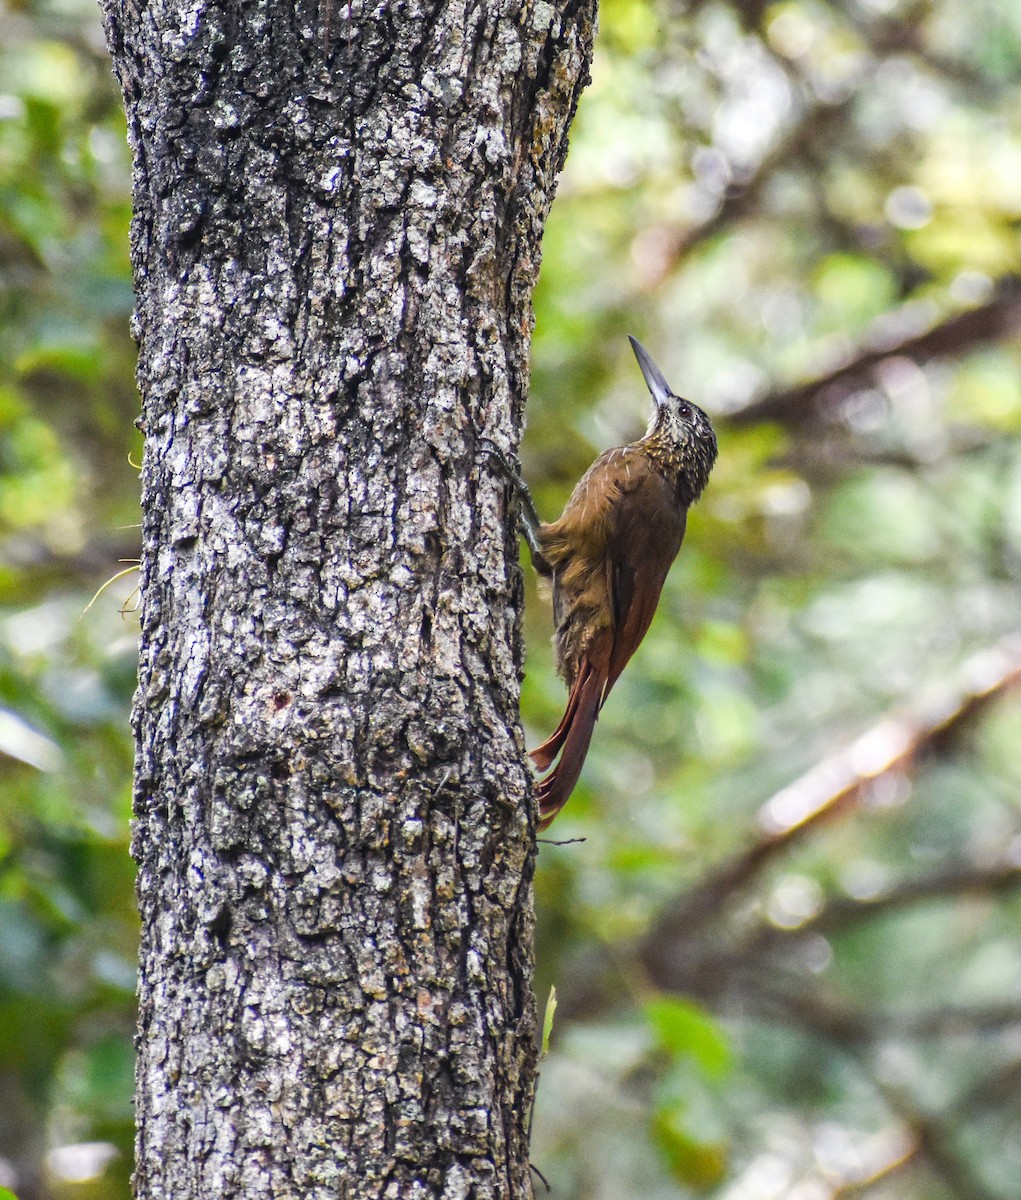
(608, 557)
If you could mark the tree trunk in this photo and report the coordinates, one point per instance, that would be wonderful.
(336, 235)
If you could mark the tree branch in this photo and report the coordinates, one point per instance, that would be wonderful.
(849, 1025)
(822, 121)
(833, 786)
(904, 1154)
(843, 911)
(935, 1144)
(821, 398)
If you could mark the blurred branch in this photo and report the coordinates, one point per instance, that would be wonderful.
(943, 1022)
(847, 1024)
(903, 1156)
(677, 955)
(920, 1136)
(983, 881)
(819, 122)
(763, 968)
(98, 557)
(842, 911)
(1000, 1087)
(930, 1137)
(997, 320)
(828, 790)
(905, 32)
(935, 1143)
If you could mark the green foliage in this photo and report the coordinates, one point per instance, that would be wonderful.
(699, 1164)
(771, 192)
(683, 1030)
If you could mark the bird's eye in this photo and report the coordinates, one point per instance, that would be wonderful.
(684, 409)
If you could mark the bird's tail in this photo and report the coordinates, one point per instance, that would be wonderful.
(570, 740)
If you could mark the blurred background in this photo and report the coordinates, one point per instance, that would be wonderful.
(786, 953)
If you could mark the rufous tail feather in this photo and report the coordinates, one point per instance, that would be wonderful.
(571, 738)
(543, 756)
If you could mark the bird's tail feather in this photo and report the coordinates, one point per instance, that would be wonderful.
(542, 756)
(571, 740)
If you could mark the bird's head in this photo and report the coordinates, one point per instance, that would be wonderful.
(681, 424)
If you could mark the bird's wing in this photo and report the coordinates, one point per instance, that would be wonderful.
(646, 531)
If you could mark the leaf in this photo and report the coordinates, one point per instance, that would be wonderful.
(547, 1021)
(684, 1030)
(701, 1165)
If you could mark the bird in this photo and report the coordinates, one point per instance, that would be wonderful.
(607, 557)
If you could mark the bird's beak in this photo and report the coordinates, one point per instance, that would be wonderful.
(653, 375)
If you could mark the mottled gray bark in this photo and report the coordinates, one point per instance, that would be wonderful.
(336, 236)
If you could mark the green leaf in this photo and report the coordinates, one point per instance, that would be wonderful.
(684, 1030)
(6, 1195)
(701, 1165)
(547, 1020)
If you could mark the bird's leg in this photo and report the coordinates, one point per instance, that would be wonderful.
(528, 517)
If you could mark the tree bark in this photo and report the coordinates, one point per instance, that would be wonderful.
(335, 239)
